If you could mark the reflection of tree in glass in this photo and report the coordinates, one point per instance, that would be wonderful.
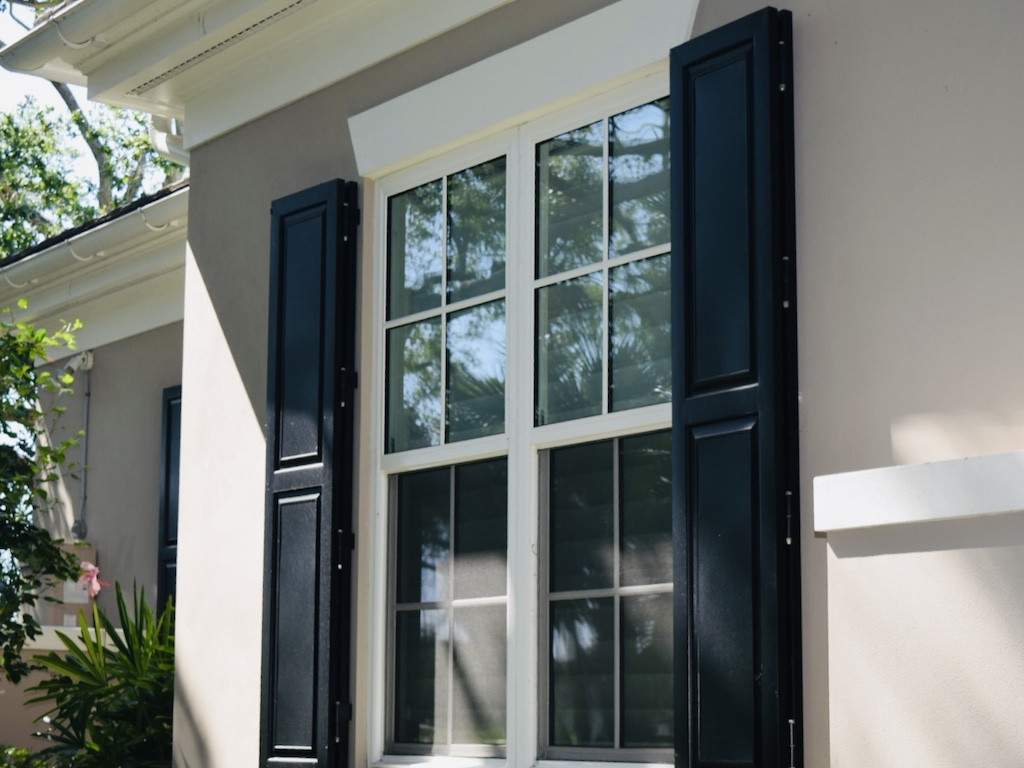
(415, 232)
(570, 191)
(476, 230)
(639, 185)
(414, 385)
(641, 355)
(476, 371)
(569, 354)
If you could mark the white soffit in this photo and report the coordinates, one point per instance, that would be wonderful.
(334, 48)
(941, 490)
(595, 52)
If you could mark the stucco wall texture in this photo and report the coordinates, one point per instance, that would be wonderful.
(908, 168)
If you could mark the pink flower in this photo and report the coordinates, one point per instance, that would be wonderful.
(90, 579)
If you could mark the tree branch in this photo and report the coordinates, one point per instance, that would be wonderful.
(99, 152)
(134, 181)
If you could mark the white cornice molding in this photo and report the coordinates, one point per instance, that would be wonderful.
(942, 490)
(625, 40)
(121, 278)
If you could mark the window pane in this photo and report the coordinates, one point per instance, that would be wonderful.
(569, 355)
(414, 385)
(570, 196)
(421, 677)
(478, 675)
(476, 230)
(476, 371)
(424, 512)
(582, 708)
(638, 171)
(645, 463)
(415, 229)
(481, 528)
(647, 671)
(640, 370)
(581, 517)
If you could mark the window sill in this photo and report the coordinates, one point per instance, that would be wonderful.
(597, 764)
(436, 761)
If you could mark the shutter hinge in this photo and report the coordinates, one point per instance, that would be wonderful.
(789, 521)
(342, 715)
(792, 743)
(787, 281)
(346, 540)
(348, 382)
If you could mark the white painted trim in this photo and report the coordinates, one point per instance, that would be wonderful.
(623, 41)
(942, 490)
(329, 51)
(120, 279)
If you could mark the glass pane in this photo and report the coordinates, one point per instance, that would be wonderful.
(414, 385)
(570, 195)
(424, 512)
(645, 464)
(638, 183)
(476, 230)
(476, 371)
(421, 677)
(582, 708)
(647, 671)
(569, 354)
(478, 675)
(581, 517)
(640, 370)
(481, 528)
(415, 229)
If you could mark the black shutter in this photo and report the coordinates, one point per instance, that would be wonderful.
(170, 463)
(306, 607)
(735, 517)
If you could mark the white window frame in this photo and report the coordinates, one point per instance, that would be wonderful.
(522, 442)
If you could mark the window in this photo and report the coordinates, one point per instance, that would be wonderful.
(607, 598)
(170, 464)
(449, 592)
(602, 271)
(446, 309)
(522, 354)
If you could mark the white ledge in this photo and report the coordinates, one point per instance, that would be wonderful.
(943, 490)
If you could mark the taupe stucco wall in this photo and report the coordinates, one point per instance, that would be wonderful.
(908, 163)
(122, 509)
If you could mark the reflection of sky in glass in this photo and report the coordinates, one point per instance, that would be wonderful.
(570, 196)
(476, 230)
(414, 385)
(639, 182)
(416, 230)
(476, 371)
(640, 371)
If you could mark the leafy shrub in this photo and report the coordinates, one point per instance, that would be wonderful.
(15, 757)
(112, 691)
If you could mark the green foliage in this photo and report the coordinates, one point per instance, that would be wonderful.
(30, 560)
(112, 692)
(39, 194)
(15, 757)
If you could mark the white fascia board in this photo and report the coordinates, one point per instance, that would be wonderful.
(627, 39)
(334, 49)
(941, 490)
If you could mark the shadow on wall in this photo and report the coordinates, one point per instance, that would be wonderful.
(190, 742)
(1005, 530)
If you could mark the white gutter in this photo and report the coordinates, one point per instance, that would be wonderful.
(167, 139)
(95, 244)
(73, 28)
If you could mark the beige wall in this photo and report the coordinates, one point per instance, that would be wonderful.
(908, 164)
(125, 419)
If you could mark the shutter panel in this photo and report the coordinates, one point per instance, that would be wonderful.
(170, 463)
(306, 608)
(734, 407)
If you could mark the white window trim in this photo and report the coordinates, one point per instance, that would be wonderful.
(522, 442)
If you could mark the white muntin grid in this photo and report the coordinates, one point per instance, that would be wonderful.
(523, 443)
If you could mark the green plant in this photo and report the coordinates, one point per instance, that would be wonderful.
(16, 757)
(30, 461)
(112, 692)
